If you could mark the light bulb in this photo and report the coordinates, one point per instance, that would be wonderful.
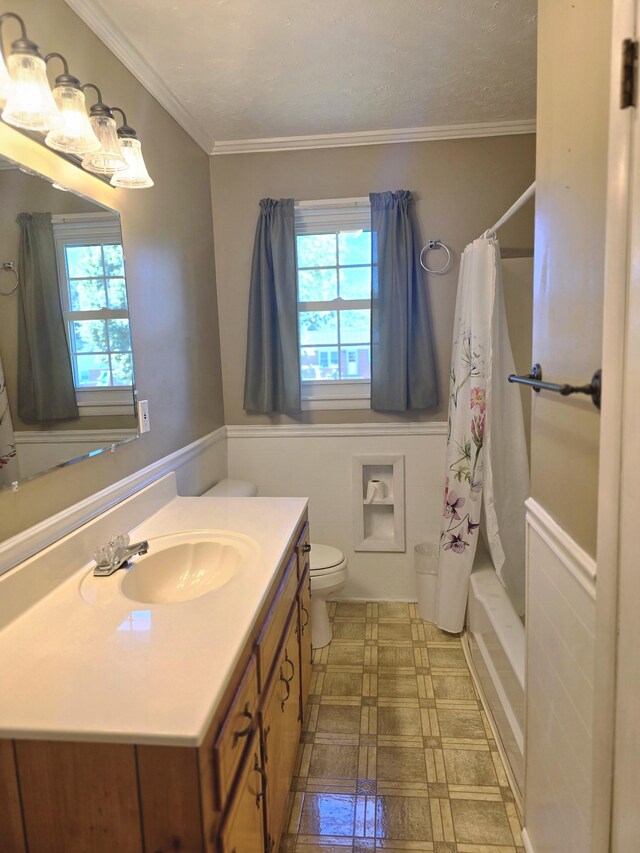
(30, 104)
(135, 176)
(108, 158)
(76, 135)
(5, 82)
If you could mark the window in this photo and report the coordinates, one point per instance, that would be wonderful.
(94, 303)
(333, 242)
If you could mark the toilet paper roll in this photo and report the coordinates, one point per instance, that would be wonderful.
(375, 491)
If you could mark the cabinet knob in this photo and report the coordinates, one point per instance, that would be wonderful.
(306, 548)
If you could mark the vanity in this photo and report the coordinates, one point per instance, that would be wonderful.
(139, 717)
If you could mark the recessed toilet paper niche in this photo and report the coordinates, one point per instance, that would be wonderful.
(378, 502)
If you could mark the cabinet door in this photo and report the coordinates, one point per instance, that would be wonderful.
(303, 548)
(243, 827)
(304, 636)
(281, 730)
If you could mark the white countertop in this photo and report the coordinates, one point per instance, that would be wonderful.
(144, 673)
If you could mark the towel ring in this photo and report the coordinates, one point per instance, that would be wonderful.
(9, 266)
(435, 244)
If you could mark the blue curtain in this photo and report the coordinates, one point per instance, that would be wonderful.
(272, 376)
(403, 364)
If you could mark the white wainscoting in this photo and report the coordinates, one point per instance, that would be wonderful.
(559, 688)
(314, 461)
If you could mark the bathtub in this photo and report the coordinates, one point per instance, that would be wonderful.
(495, 644)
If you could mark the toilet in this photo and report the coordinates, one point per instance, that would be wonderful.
(328, 566)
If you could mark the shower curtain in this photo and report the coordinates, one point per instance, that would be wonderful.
(487, 477)
(8, 459)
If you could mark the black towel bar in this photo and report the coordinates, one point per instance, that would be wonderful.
(534, 380)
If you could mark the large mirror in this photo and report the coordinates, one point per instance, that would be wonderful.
(66, 362)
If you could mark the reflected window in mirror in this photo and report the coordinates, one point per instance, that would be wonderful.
(93, 294)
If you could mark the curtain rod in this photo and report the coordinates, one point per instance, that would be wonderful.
(515, 207)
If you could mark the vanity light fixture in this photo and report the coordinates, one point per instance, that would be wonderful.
(29, 102)
(135, 176)
(108, 158)
(76, 135)
(59, 119)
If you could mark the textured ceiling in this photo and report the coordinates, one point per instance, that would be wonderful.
(270, 68)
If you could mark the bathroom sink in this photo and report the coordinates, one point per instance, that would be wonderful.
(184, 566)
(178, 567)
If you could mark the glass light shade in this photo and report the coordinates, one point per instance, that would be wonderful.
(108, 158)
(76, 135)
(135, 176)
(30, 104)
(5, 82)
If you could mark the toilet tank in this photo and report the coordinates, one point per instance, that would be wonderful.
(232, 489)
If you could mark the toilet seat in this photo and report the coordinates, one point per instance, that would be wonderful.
(325, 559)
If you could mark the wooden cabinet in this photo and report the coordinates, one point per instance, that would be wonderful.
(226, 796)
(281, 730)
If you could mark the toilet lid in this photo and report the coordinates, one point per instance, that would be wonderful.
(324, 557)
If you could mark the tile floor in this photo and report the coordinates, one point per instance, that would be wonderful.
(396, 753)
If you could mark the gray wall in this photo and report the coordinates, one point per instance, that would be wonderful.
(462, 187)
(168, 238)
(569, 255)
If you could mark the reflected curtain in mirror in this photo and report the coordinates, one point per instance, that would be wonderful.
(45, 378)
(403, 364)
(272, 377)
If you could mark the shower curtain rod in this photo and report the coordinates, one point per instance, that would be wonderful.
(515, 207)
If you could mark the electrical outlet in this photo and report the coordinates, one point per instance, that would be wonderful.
(144, 423)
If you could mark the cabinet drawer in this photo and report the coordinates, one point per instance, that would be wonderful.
(236, 730)
(271, 635)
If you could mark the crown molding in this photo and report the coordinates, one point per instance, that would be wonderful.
(112, 36)
(375, 137)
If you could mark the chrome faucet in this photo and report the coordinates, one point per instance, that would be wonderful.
(116, 554)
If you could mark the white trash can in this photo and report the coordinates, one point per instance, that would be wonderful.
(426, 566)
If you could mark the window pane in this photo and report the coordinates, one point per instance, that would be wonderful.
(355, 362)
(316, 285)
(119, 336)
(319, 363)
(92, 370)
(316, 250)
(318, 327)
(84, 261)
(113, 259)
(89, 336)
(117, 291)
(355, 282)
(122, 368)
(355, 247)
(87, 295)
(355, 326)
